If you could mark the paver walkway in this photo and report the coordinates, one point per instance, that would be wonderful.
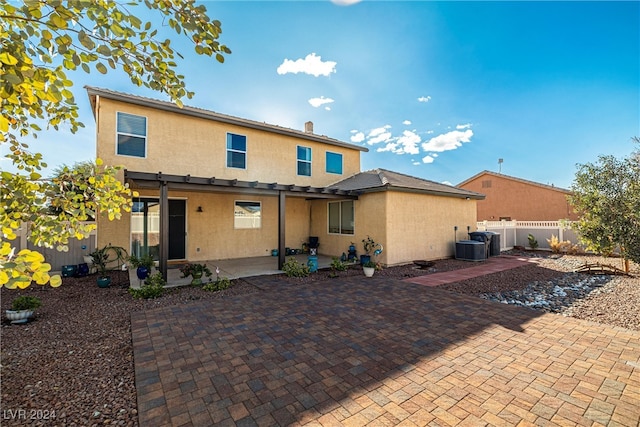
(475, 269)
(361, 351)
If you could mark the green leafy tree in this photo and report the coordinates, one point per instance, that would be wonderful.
(606, 194)
(41, 41)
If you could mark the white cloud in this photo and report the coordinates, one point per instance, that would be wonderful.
(409, 143)
(378, 131)
(382, 137)
(415, 162)
(424, 99)
(447, 183)
(379, 135)
(357, 136)
(345, 2)
(317, 102)
(406, 122)
(391, 146)
(427, 159)
(311, 64)
(448, 141)
(327, 108)
(464, 126)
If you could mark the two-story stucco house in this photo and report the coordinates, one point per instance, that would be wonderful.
(213, 186)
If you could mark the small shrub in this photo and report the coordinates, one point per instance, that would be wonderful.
(153, 288)
(574, 249)
(370, 264)
(564, 247)
(220, 284)
(555, 244)
(25, 302)
(533, 243)
(293, 268)
(190, 269)
(337, 265)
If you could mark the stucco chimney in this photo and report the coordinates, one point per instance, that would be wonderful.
(308, 127)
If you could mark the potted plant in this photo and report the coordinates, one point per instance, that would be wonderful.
(22, 308)
(196, 271)
(369, 268)
(143, 265)
(370, 248)
(368, 245)
(100, 258)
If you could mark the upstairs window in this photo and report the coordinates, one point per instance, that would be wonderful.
(341, 217)
(131, 135)
(304, 161)
(236, 151)
(334, 163)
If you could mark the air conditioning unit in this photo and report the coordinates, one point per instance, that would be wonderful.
(470, 250)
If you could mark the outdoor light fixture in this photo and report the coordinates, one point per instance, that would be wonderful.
(199, 209)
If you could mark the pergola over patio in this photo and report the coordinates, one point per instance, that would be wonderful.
(165, 182)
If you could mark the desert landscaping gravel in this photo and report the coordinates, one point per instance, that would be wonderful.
(73, 364)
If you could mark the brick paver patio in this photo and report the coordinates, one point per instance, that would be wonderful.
(375, 352)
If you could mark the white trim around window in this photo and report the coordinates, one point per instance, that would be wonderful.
(334, 163)
(247, 214)
(236, 151)
(131, 135)
(341, 217)
(303, 163)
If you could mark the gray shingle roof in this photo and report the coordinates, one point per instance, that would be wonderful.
(383, 180)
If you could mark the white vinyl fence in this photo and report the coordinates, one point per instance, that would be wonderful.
(515, 233)
(77, 249)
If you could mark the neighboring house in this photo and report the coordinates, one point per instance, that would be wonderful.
(214, 186)
(513, 198)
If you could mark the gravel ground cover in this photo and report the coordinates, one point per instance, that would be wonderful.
(73, 364)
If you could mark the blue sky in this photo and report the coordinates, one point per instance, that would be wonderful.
(438, 90)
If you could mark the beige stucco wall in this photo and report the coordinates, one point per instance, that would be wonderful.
(508, 198)
(180, 144)
(211, 233)
(115, 233)
(421, 226)
(370, 213)
(410, 226)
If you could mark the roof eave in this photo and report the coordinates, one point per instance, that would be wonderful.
(469, 196)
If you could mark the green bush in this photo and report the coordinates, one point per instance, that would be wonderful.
(293, 268)
(25, 302)
(337, 265)
(220, 284)
(533, 243)
(153, 288)
(370, 264)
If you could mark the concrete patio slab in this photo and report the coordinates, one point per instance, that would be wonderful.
(358, 351)
(233, 268)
